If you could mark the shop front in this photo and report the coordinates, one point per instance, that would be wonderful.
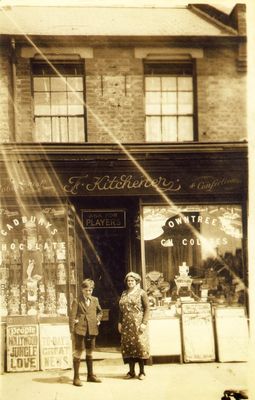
(195, 274)
(176, 216)
(38, 283)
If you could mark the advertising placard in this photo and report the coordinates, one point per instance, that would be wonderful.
(22, 347)
(2, 346)
(55, 346)
(197, 331)
(104, 219)
(165, 337)
(232, 334)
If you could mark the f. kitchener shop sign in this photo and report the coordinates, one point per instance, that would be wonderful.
(123, 184)
(139, 184)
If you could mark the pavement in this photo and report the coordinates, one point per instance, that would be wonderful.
(168, 381)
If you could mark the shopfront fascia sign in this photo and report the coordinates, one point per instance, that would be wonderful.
(27, 186)
(160, 183)
(104, 219)
(118, 184)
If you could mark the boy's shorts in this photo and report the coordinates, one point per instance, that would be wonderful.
(87, 342)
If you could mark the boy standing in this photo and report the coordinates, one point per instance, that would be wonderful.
(85, 317)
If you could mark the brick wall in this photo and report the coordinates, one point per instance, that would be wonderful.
(115, 97)
(221, 97)
(6, 103)
(24, 101)
(238, 18)
(114, 94)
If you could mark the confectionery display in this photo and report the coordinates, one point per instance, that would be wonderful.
(35, 278)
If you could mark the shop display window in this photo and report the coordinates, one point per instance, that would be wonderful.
(193, 253)
(37, 261)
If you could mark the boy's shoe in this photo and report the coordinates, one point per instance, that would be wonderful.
(141, 377)
(77, 382)
(93, 378)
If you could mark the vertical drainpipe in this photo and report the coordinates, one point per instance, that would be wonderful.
(14, 88)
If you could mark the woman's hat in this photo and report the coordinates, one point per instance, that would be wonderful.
(133, 275)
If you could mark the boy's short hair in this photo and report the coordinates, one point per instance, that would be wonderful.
(88, 283)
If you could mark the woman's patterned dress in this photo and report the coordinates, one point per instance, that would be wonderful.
(134, 310)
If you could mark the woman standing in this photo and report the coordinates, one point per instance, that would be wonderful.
(133, 319)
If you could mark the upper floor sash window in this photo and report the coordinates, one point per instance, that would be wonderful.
(169, 101)
(58, 94)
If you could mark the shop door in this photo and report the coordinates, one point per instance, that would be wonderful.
(105, 261)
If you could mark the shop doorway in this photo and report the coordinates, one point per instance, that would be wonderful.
(105, 260)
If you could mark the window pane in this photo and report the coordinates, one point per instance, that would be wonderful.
(41, 103)
(169, 129)
(153, 129)
(168, 68)
(59, 104)
(185, 128)
(169, 83)
(208, 238)
(76, 129)
(75, 103)
(64, 69)
(57, 97)
(169, 101)
(169, 95)
(153, 106)
(59, 129)
(185, 83)
(185, 103)
(42, 130)
(152, 83)
(41, 84)
(58, 84)
(75, 84)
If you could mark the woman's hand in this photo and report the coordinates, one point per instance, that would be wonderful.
(119, 327)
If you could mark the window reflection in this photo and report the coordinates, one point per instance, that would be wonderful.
(208, 239)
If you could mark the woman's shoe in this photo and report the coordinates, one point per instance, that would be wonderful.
(141, 377)
(129, 376)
